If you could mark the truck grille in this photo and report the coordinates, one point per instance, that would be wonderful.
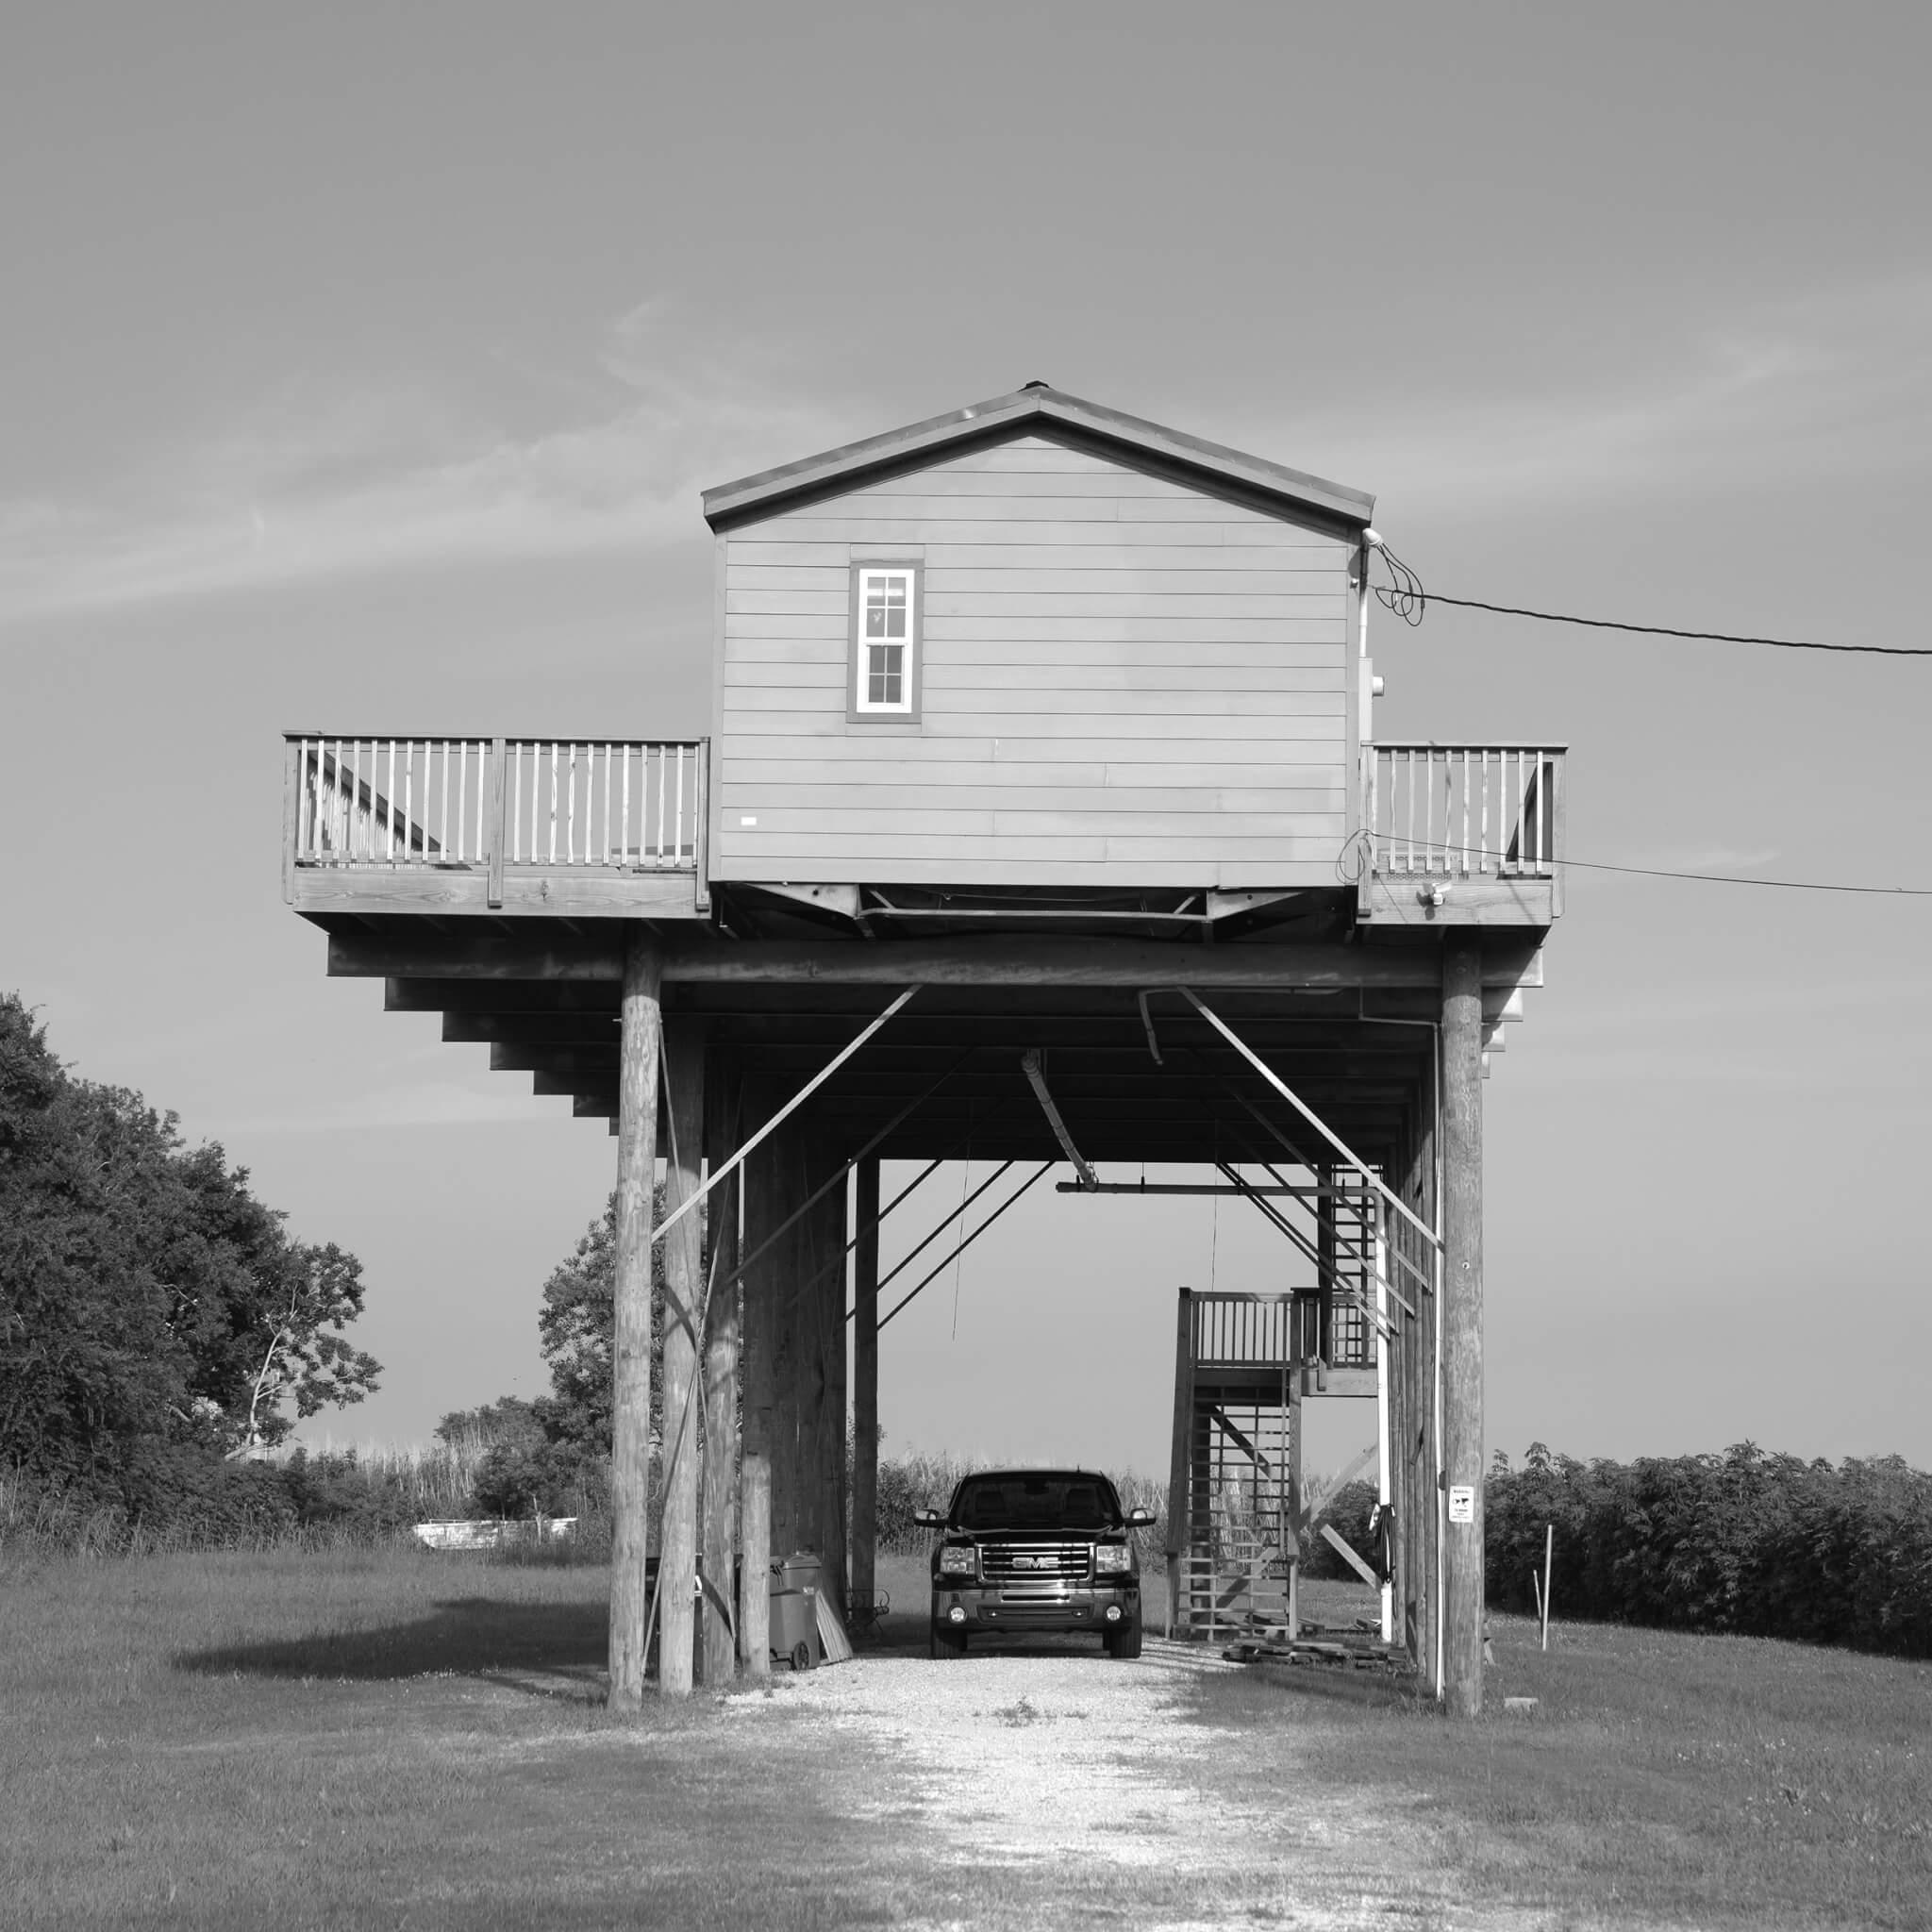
(1031, 1562)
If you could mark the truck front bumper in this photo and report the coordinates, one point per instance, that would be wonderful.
(1036, 1606)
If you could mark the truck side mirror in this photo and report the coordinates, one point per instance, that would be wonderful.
(929, 1519)
(1139, 1519)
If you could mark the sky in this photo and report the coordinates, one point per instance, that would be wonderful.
(362, 370)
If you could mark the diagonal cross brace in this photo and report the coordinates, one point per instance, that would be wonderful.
(1308, 1114)
(779, 1119)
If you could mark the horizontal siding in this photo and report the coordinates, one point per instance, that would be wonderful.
(1182, 639)
(992, 667)
(1145, 732)
(1149, 751)
(1058, 530)
(1310, 606)
(1049, 694)
(875, 843)
(756, 661)
(1064, 776)
(748, 560)
(1062, 581)
(877, 794)
(860, 822)
(1123, 679)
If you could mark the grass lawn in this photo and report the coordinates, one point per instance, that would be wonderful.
(397, 1738)
(1662, 1778)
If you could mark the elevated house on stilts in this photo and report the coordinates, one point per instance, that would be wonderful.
(1043, 812)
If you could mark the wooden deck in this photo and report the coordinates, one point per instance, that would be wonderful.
(603, 828)
(509, 828)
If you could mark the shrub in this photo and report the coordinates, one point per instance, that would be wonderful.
(1750, 1543)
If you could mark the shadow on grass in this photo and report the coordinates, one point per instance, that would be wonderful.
(470, 1635)
(1270, 1693)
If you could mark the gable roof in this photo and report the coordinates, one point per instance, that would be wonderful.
(1036, 407)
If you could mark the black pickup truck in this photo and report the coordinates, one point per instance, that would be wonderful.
(1036, 1548)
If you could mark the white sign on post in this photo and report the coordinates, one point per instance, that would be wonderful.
(1462, 1503)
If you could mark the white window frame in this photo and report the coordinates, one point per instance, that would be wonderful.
(860, 707)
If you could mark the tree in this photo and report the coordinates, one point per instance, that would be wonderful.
(576, 1331)
(147, 1299)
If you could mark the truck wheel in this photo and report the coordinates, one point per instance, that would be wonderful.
(1124, 1640)
(944, 1641)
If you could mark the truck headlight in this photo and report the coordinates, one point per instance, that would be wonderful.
(1111, 1559)
(955, 1562)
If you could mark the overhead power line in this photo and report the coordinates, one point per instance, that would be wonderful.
(1403, 594)
(1356, 855)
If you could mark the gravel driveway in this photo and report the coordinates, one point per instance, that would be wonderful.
(1012, 1759)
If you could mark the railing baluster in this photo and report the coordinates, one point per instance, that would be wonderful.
(624, 830)
(1429, 811)
(1542, 803)
(1463, 868)
(307, 798)
(662, 761)
(677, 843)
(515, 753)
(1408, 790)
(1371, 801)
(1516, 815)
(1483, 834)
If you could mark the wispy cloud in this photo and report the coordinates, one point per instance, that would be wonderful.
(1832, 385)
(315, 488)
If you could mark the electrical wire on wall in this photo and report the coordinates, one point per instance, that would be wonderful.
(1404, 595)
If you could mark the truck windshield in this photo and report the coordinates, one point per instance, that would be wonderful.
(1036, 1502)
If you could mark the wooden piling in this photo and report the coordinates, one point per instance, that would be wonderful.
(832, 1236)
(865, 1380)
(718, 1527)
(1428, 1462)
(1180, 1470)
(684, 1068)
(758, 1338)
(1462, 1324)
(630, 1447)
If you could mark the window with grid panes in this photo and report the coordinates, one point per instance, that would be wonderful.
(886, 641)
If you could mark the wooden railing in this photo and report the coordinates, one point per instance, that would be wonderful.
(1239, 1331)
(625, 805)
(1463, 811)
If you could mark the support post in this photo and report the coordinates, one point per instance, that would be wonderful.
(631, 1445)
(1327, 1247)
(718, 1530)
(1180, 1469)
(761, 1289)
(684, 1289)
(1462, 1322)
(1384, 1493)
(1428, 1457)
(865, 1379)
(794, 1319)
(829, 1244)
(1290, 1542)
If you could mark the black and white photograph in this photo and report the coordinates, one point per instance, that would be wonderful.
(965, 967)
